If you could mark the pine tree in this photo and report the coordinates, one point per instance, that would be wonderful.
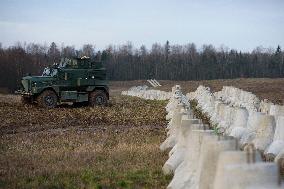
(278, 50)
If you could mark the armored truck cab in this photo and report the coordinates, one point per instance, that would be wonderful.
(72, 80)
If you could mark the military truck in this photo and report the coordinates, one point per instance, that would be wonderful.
(72, 80)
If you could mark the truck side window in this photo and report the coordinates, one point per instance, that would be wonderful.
(61, 75)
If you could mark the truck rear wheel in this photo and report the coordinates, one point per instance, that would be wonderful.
(47, 99)
(98, 98)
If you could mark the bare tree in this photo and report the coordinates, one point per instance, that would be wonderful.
(88, 50)
(53, 52)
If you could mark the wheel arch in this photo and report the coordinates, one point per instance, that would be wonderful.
(48, 89)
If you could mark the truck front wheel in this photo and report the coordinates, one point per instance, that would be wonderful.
(47, 99)
(98, 98)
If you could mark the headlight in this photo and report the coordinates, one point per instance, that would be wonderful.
(33, 84)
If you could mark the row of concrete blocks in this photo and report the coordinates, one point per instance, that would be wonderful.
(145, 93)
(238, 98)
(265, 131)
(201, 159)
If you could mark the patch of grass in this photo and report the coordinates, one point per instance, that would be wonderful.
(115, 147)
(144, 178)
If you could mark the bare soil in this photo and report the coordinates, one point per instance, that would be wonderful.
(264, 88)
(82, 147)
(102, 147)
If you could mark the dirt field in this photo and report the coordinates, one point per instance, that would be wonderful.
(82, 147)
(67, 147)
(264, 88)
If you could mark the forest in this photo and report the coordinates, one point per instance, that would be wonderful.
(161, 61)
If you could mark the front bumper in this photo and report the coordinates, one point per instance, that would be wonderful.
(23, 93)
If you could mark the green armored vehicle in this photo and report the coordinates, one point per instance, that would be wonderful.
(72, 80)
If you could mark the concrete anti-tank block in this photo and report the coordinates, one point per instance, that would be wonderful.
(264, 133)
(178, 152)
(228, 158)
(253, 175)
(209, 157)
(184, 176)
(278, 140)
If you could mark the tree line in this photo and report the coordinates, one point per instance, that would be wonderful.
(161, 61)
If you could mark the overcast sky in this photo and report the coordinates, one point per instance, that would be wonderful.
(239, 24)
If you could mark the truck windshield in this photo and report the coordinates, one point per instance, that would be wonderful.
(49, 72)
(65, 62)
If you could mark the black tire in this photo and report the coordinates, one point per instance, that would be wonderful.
(47, 99)
(98, 98)
(26, 100)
